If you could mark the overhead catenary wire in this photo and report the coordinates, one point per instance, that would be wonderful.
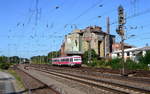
(86, 11)
(33, 37)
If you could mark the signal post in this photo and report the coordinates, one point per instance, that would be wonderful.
(120, 31)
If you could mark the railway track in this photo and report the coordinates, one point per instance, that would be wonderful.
(45, 89)
(96, 72)
(97, 83)
(134, 73)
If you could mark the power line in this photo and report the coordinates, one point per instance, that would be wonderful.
(132, 16)
(139, 14)
(86, 11)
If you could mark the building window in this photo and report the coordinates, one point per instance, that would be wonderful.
(128, 53)
(76, 42)
(117, 54)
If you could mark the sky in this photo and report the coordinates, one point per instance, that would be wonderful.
(29, 29)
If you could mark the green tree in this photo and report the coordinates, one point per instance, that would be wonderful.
(94, 56)
(14, 59)
(145, 59)
(4, 62)
(39, 59)
(53, 54)
(45, 59)
(4, 59)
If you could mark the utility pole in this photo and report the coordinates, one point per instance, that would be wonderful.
(120, 31)
(108, 25)
(89, 54)
(107, 40)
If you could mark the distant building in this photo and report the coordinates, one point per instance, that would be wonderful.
(117, 46)
(131, 53)
(79, 41)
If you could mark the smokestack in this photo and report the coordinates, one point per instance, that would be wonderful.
(108, 25)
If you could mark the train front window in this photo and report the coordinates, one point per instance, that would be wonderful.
(77, 59)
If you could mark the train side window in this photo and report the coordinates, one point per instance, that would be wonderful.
(71, 59)
(67, 59)
(63, 60)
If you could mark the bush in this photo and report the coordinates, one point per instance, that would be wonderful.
(114, 63)
(5, 66)
(117, 62)
(131, 65)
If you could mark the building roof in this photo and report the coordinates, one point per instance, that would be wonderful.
(145, 48)
(126, 44)
(126, 50)
(92, 29)
(136, 52)
(133, 49)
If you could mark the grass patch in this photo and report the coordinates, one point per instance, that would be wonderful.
(17, 77)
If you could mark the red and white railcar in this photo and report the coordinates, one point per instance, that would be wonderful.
(69, 61)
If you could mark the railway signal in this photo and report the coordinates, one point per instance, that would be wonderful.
(120, 31)
(121, 21)
(121, 15)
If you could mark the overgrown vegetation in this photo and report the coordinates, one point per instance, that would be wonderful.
(18, 78)
(39, 59)
(5, 65)
(117, 62)
(145, 59)
(6, 62)
(94, 56)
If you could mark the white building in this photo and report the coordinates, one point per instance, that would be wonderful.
(131, 53)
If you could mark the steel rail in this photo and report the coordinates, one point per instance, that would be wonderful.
(49, 87)
(106, 85)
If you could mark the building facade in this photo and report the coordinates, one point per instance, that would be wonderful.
(131, 53)
(79, 41)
